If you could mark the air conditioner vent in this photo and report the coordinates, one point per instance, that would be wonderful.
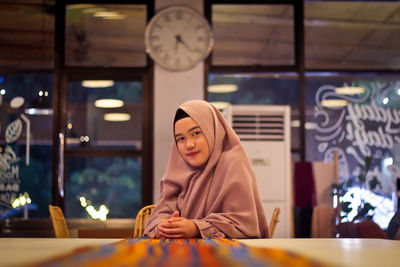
(259, 127)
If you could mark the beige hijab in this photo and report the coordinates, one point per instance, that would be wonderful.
(220, 197)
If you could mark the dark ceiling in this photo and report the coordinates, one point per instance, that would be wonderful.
(339, 35)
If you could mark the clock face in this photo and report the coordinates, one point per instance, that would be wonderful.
(178, 38)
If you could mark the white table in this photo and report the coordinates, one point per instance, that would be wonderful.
(338, 252)
(21, 251)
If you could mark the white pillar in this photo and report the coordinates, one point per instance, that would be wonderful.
(170, 90)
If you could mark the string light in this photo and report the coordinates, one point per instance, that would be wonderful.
(21, 200)
(100, 214)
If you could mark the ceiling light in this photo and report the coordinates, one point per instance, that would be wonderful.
(38, 111)
(307, 125)
(220, 105)
(17, 102)
(117, 117)
(108, 103)
(93, 10)
(79, 6)
(398, 91)
(222, 88)
(97, 83)
(120, 16)
(385, 100)
(295, 123)
(310, 125)
(3, 91)
(41, 105)
(109, 15)
(349, 90)
(334, 103)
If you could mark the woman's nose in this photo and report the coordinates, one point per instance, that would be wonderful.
(189, 144)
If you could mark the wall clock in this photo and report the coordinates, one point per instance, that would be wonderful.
(178, 38)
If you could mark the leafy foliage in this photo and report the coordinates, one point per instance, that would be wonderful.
(114, 182)
(364, 182)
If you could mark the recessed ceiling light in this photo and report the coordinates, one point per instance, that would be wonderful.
(334, 103)
(349, 90)
(93, 10)
(97, 83)
(385, 100)
(79, 6)
(117, 117)
(295, 123)
(120, 16)
(39, 111)
(222, 88)
(17, 102)
(108, 103)
(109, 15)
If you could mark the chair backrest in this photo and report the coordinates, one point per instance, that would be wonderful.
(274, 221)
(58, 221)
(369, 229)
(141, 220)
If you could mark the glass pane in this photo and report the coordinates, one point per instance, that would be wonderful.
(113, 182)
(365, 122)
(27, 34)
(105, 35)
(253, 35)
(109, 117)
(258, 89)
(352, 35)
(25, 143)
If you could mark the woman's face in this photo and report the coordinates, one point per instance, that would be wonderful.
(191, 142)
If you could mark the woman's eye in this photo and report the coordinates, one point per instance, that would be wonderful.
(196, 133)
(179, 139)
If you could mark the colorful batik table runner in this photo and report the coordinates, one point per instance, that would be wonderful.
(179, 252)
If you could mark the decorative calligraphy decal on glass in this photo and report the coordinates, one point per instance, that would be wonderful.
(368, 124)
(9, 160)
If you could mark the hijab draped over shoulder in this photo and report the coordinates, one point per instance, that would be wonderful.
(221, 197)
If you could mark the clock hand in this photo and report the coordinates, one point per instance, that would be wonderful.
(176, 42)
(179, 40)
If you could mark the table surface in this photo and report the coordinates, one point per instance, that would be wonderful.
(336, 252)
(20, 251)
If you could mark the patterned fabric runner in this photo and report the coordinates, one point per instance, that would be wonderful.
(179, 252)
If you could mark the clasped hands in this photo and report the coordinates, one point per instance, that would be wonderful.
(177, 227)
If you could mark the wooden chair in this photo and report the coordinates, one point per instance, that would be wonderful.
(141, 220)
(274, 221)
(58, 221)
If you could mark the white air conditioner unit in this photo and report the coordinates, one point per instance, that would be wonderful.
(265, 134)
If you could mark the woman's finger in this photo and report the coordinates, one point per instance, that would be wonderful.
(171, 230)
(175, 219)
(173, 236)
(171, 225)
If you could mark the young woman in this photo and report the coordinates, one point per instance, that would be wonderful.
(209, 189)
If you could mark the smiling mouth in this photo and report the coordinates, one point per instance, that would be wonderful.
(192, 155)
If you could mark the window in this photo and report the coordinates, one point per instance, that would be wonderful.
(357, 116)
(104, 117)
(105, 35)
(256, 35)
(352, 35)
(103, 186)
(27, 35)
(257, 89)
(25, 142)
(104, 124)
